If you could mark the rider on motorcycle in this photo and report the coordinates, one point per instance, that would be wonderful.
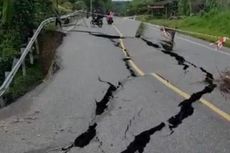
(109, 17)
(98, 15)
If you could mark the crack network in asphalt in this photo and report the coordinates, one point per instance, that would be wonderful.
(186, 108)
(117, 44)
(85, 138)
(186, 105)
(180, 60)
(142, 139)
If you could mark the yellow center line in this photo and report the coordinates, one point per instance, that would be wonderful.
(186, 96)
(170, 85)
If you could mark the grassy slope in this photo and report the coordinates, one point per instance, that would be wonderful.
(48, 43)
(213, 23)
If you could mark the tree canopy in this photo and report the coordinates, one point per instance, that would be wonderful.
(185, 7)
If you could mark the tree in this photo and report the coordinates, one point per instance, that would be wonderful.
(103, 4)
(210, 4)
(137, 6)
(7, 11)
(185, 7)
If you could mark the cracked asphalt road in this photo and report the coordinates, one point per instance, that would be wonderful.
(138, 112)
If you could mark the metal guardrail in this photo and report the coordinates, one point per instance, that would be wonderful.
(15, 69)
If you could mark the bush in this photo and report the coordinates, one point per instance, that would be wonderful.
(22, 84)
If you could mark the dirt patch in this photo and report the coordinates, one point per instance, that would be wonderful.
(224, 82)
(49, 41)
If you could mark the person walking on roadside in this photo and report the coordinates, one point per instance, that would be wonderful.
(220, 42)
(58, 21)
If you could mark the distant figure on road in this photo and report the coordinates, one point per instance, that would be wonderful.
(97, 18)
(220, 42)
(87, 14)
(109, 17)
(168, 34)
(58, 21)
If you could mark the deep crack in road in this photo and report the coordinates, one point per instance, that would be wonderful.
(83, 139)
(142, 139)
(102, 105)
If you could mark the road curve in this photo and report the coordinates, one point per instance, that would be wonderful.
(98, 103)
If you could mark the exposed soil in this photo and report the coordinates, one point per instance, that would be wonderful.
(224, 82)
(49, 41)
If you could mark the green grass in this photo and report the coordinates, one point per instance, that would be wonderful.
(212, 23)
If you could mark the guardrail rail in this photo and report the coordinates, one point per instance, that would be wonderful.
(10, 76)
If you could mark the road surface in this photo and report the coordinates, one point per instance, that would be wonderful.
(102, 101)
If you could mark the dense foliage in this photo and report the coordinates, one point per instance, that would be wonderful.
(185, 7)
(203, 17)
(18, 19)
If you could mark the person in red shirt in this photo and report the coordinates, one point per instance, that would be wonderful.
(221, 41)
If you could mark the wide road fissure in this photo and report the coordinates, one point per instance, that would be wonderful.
(97, 103)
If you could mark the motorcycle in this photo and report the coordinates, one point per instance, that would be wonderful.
(97, 21)
(109, 20)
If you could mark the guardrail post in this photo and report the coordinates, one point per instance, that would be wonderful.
(23, 64)
(2, 102)
(6, 74)
(36, 45)
(84, 21)
(31, 54)
(15, 60)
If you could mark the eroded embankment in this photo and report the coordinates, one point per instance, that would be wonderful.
(48, 41)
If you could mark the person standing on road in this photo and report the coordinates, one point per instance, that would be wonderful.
(58, 20)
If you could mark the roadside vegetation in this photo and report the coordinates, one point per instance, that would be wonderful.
(199, 26)
(18, 20)
(204, 19)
